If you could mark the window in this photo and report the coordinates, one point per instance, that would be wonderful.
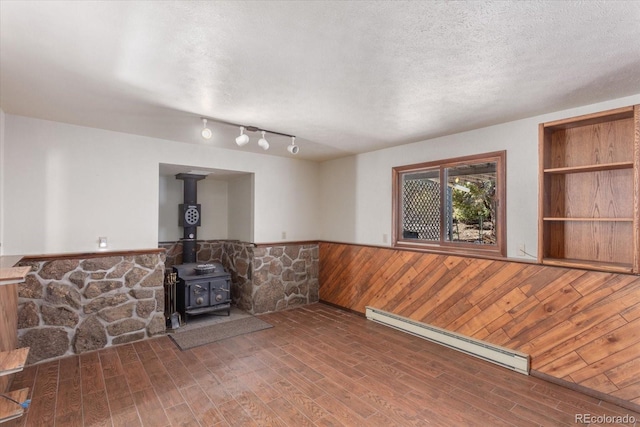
(454, 205)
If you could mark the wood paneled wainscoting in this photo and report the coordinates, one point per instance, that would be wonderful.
(578, 326)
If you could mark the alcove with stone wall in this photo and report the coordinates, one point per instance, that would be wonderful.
(265, 277)
(77, 303)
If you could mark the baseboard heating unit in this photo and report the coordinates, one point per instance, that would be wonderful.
(510, 359)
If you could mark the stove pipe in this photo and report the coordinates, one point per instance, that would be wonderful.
(189, 215)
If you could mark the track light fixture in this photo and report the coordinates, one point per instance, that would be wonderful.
(293, 148)
(263, 143)
(206, 132)
(243, 138)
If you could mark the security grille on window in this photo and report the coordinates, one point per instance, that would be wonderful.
(454, 205)
(421, 205)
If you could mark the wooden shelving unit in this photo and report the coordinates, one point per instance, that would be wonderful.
(14, 360)
(10, 410)
(11, 362)
(12, 275)
(589, 173)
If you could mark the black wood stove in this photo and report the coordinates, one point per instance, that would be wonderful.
(202, 288)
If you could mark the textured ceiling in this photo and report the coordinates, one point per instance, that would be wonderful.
(344, 77)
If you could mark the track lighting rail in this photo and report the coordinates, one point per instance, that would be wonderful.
(247, 128)
(243, 139)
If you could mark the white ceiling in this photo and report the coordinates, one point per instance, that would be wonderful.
(344, 77)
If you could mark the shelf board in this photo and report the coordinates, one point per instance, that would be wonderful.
(593, 118)
(566, 219)
(590, 168)
(10, 410)
(13, 275)
(617, 267)
(13, 361)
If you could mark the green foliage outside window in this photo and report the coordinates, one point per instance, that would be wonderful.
(476, 204)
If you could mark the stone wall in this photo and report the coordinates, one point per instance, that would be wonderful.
(74, 305)
(263, 279)
(284, 277)
(237, 259)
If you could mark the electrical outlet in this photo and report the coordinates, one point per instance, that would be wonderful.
(385, 238)
(284, 234)
(521, 250)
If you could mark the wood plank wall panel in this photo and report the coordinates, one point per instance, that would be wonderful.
(8, 324)
(580, 326)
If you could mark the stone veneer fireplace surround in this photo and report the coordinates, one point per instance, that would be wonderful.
(264, 277)
(74, 303)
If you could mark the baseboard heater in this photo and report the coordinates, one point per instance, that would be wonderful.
(504, 357)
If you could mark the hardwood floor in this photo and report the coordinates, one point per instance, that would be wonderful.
(318, 366)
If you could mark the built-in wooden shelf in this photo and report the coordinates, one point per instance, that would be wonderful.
(591, 168)
(588, 219)
(11, 410)
(13, 361)
(13, 275)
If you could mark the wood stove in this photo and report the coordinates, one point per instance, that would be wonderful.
(202, 289)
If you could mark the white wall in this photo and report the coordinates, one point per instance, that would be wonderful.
(356, 191)
(212, 196)
(240, 209)
(169, 197)
(1, 180)
(66, 185)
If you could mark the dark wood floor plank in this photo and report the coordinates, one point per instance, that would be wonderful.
(137, 377)
(234, 414)
(262, 388)
(69, 420)
(166, 390)
(181, 415)
(127, 353)
(69, 400)
(95, 409)
(201, 406)
(149, 408)
(70, 367)
(91, 373)
(126, 417)
(117, 388)
(289, 413)
(352, 401)
(301, 401)
(258, 410)
(43, 398)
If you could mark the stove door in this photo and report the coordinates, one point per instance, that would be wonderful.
(198, 294)
(220, 291)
